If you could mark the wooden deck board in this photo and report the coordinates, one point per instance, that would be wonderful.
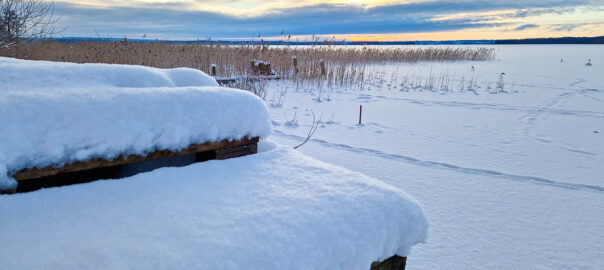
(393, 263)
(33, 173)
(231, 80)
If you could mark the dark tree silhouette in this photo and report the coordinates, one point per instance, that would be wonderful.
(20, 19)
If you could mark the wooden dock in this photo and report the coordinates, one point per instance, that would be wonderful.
(260, 70)
(226, 81)
(392, 263)
(127, 165)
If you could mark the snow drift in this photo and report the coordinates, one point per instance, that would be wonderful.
(55, 113)
(30, 74)
(274, 210)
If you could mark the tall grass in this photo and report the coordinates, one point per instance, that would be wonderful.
(343, 63)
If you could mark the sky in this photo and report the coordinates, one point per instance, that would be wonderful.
(352, 20)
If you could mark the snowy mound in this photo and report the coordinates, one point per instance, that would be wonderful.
(56, 113)
(28, 74)
(274, 210)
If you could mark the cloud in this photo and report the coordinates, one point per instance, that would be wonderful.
(568, 27)
(180, 21)
(565, 27)
(525, 26)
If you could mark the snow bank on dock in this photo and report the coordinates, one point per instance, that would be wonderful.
(54, 113)
(274, 210)
(30, 74)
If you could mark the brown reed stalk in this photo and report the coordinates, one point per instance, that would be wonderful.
(343, 64)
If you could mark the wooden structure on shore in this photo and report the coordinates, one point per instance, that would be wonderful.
(393, 263)
(260, 70)
(123, 166)
(231, 80)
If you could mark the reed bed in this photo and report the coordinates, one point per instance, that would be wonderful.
(344, 65)
(235, 59)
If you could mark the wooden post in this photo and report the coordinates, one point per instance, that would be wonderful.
(323, 72)
(295, 64)
(254, 66)
(360, 113)
(392, 263)
(213, 70)
(265, 68)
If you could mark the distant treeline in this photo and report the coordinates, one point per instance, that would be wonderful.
(562, 40)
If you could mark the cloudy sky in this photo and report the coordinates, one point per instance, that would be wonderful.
(351, 20)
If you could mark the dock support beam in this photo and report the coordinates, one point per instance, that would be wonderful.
(393, 263)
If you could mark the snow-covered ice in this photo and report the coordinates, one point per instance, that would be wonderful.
(278, 209)
(510, 179)
(53, 113)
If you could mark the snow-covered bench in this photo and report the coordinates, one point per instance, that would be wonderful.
(63, 118)
(277, 209)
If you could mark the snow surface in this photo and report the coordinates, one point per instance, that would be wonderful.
(278, 209)
(53, 113)
(32, 74)
(510, 179)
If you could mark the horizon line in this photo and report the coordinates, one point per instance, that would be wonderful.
(272, 41)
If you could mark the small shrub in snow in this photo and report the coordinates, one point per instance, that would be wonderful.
(500, 83)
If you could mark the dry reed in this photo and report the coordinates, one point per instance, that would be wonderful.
(344, 65)
(342, 62)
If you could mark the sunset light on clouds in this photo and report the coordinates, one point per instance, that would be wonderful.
(354, 20)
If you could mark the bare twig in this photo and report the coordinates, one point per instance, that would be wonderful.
(312, 130)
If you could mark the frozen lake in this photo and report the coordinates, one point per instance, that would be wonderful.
(509, 168)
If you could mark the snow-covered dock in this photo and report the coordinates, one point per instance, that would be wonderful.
(56, 114)
(277, 209)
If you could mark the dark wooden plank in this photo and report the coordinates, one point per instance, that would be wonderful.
(225, 81)
(233, 80)
(32, 173)
(393, 263)
(9, 191)
(237, 151)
